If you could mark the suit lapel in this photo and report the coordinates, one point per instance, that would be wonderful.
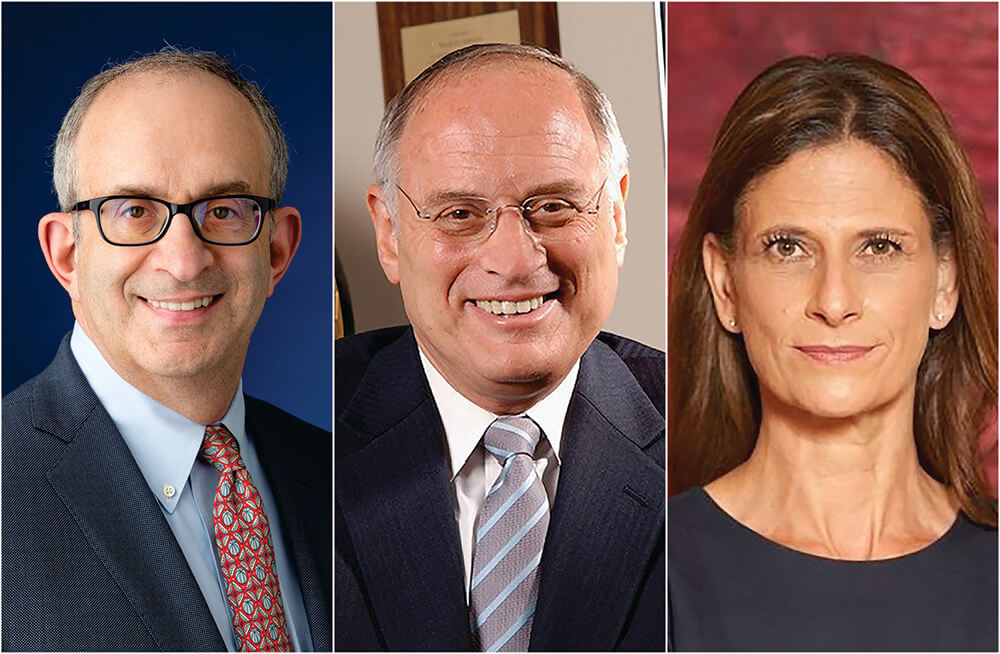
(295, 483)
(99, 482)
(394, 492)
(608, 513)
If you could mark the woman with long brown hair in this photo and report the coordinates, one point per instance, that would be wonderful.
(832, 364)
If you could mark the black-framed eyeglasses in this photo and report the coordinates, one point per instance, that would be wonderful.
(549, 217)
(130, 220)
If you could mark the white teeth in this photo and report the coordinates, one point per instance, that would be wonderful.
(182, 306)
(508, 308)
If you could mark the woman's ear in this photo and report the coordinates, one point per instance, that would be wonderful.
(946, 289)
(720, 279)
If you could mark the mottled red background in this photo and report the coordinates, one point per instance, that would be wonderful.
(715, 49)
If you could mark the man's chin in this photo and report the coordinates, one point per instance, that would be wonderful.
(180, 360)
(516, 379)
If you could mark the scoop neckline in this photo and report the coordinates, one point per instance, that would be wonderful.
(933, 545)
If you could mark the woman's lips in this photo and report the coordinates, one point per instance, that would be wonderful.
(837, 354)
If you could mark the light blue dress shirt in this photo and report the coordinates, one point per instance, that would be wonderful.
(165, 445)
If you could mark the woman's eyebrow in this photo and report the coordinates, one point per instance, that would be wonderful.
(798, 230)
(784, 228)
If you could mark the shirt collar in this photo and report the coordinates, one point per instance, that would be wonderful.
(164, 443)
(465, 422)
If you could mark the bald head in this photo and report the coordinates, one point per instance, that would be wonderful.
(524, 62)
(169, 61)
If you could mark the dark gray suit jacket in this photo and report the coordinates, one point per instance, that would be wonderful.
(399, 572)
(89, 562)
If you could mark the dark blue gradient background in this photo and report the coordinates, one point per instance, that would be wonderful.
(51, 49)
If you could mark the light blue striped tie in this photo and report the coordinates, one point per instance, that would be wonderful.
(510, 533)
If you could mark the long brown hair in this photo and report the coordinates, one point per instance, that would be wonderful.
(804, 102)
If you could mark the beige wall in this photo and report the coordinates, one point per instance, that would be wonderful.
(615, 44)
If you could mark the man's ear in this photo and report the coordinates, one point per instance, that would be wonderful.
(385, 235)
(285, 241)
(621, 225)
(55, 235)
(946, 293)
(720, 279)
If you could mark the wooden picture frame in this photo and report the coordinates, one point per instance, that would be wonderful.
(537, 21)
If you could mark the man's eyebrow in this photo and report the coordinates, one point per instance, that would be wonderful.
(563, 187)
(225, 188)
(570, 188)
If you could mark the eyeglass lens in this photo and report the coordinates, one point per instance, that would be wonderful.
(547, 218)
(139, 220)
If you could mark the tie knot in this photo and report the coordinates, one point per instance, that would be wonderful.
(510, 435)
(220, 448)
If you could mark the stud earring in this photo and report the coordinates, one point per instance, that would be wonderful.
(732, 323)
(939, 316)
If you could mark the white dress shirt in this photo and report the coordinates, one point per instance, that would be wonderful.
(472, 472)
(165, 446)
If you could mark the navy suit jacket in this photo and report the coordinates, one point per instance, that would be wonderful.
(399, 573)
(89, 562)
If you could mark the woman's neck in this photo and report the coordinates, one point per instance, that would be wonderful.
(845, 488)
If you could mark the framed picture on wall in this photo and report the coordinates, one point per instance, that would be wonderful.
(413, 35)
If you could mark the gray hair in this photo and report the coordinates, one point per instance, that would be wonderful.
(614, 154)
(169, 59)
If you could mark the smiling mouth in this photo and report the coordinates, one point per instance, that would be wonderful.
(508, 308)
(188, 305)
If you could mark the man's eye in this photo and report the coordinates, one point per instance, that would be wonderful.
(221, 213)
(553, 206)
(136, 212)
(550, 212)
(457, 214)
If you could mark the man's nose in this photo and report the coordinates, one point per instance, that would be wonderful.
(512, 249)
(180, 251)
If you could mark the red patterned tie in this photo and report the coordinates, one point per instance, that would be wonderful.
(245, 551)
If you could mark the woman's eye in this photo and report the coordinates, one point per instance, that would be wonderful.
(785, 247)
(882, 246)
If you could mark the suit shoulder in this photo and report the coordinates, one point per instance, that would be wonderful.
(56, 401)
(364, 346)
(21, 439)
(353, 355)
(17, 404)
(261, 412)
(647, 365)
(629, 349)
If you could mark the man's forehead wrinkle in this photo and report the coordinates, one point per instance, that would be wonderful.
(560, 137)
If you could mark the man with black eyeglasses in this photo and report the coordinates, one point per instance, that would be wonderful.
(147, 503)
(500, 461)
